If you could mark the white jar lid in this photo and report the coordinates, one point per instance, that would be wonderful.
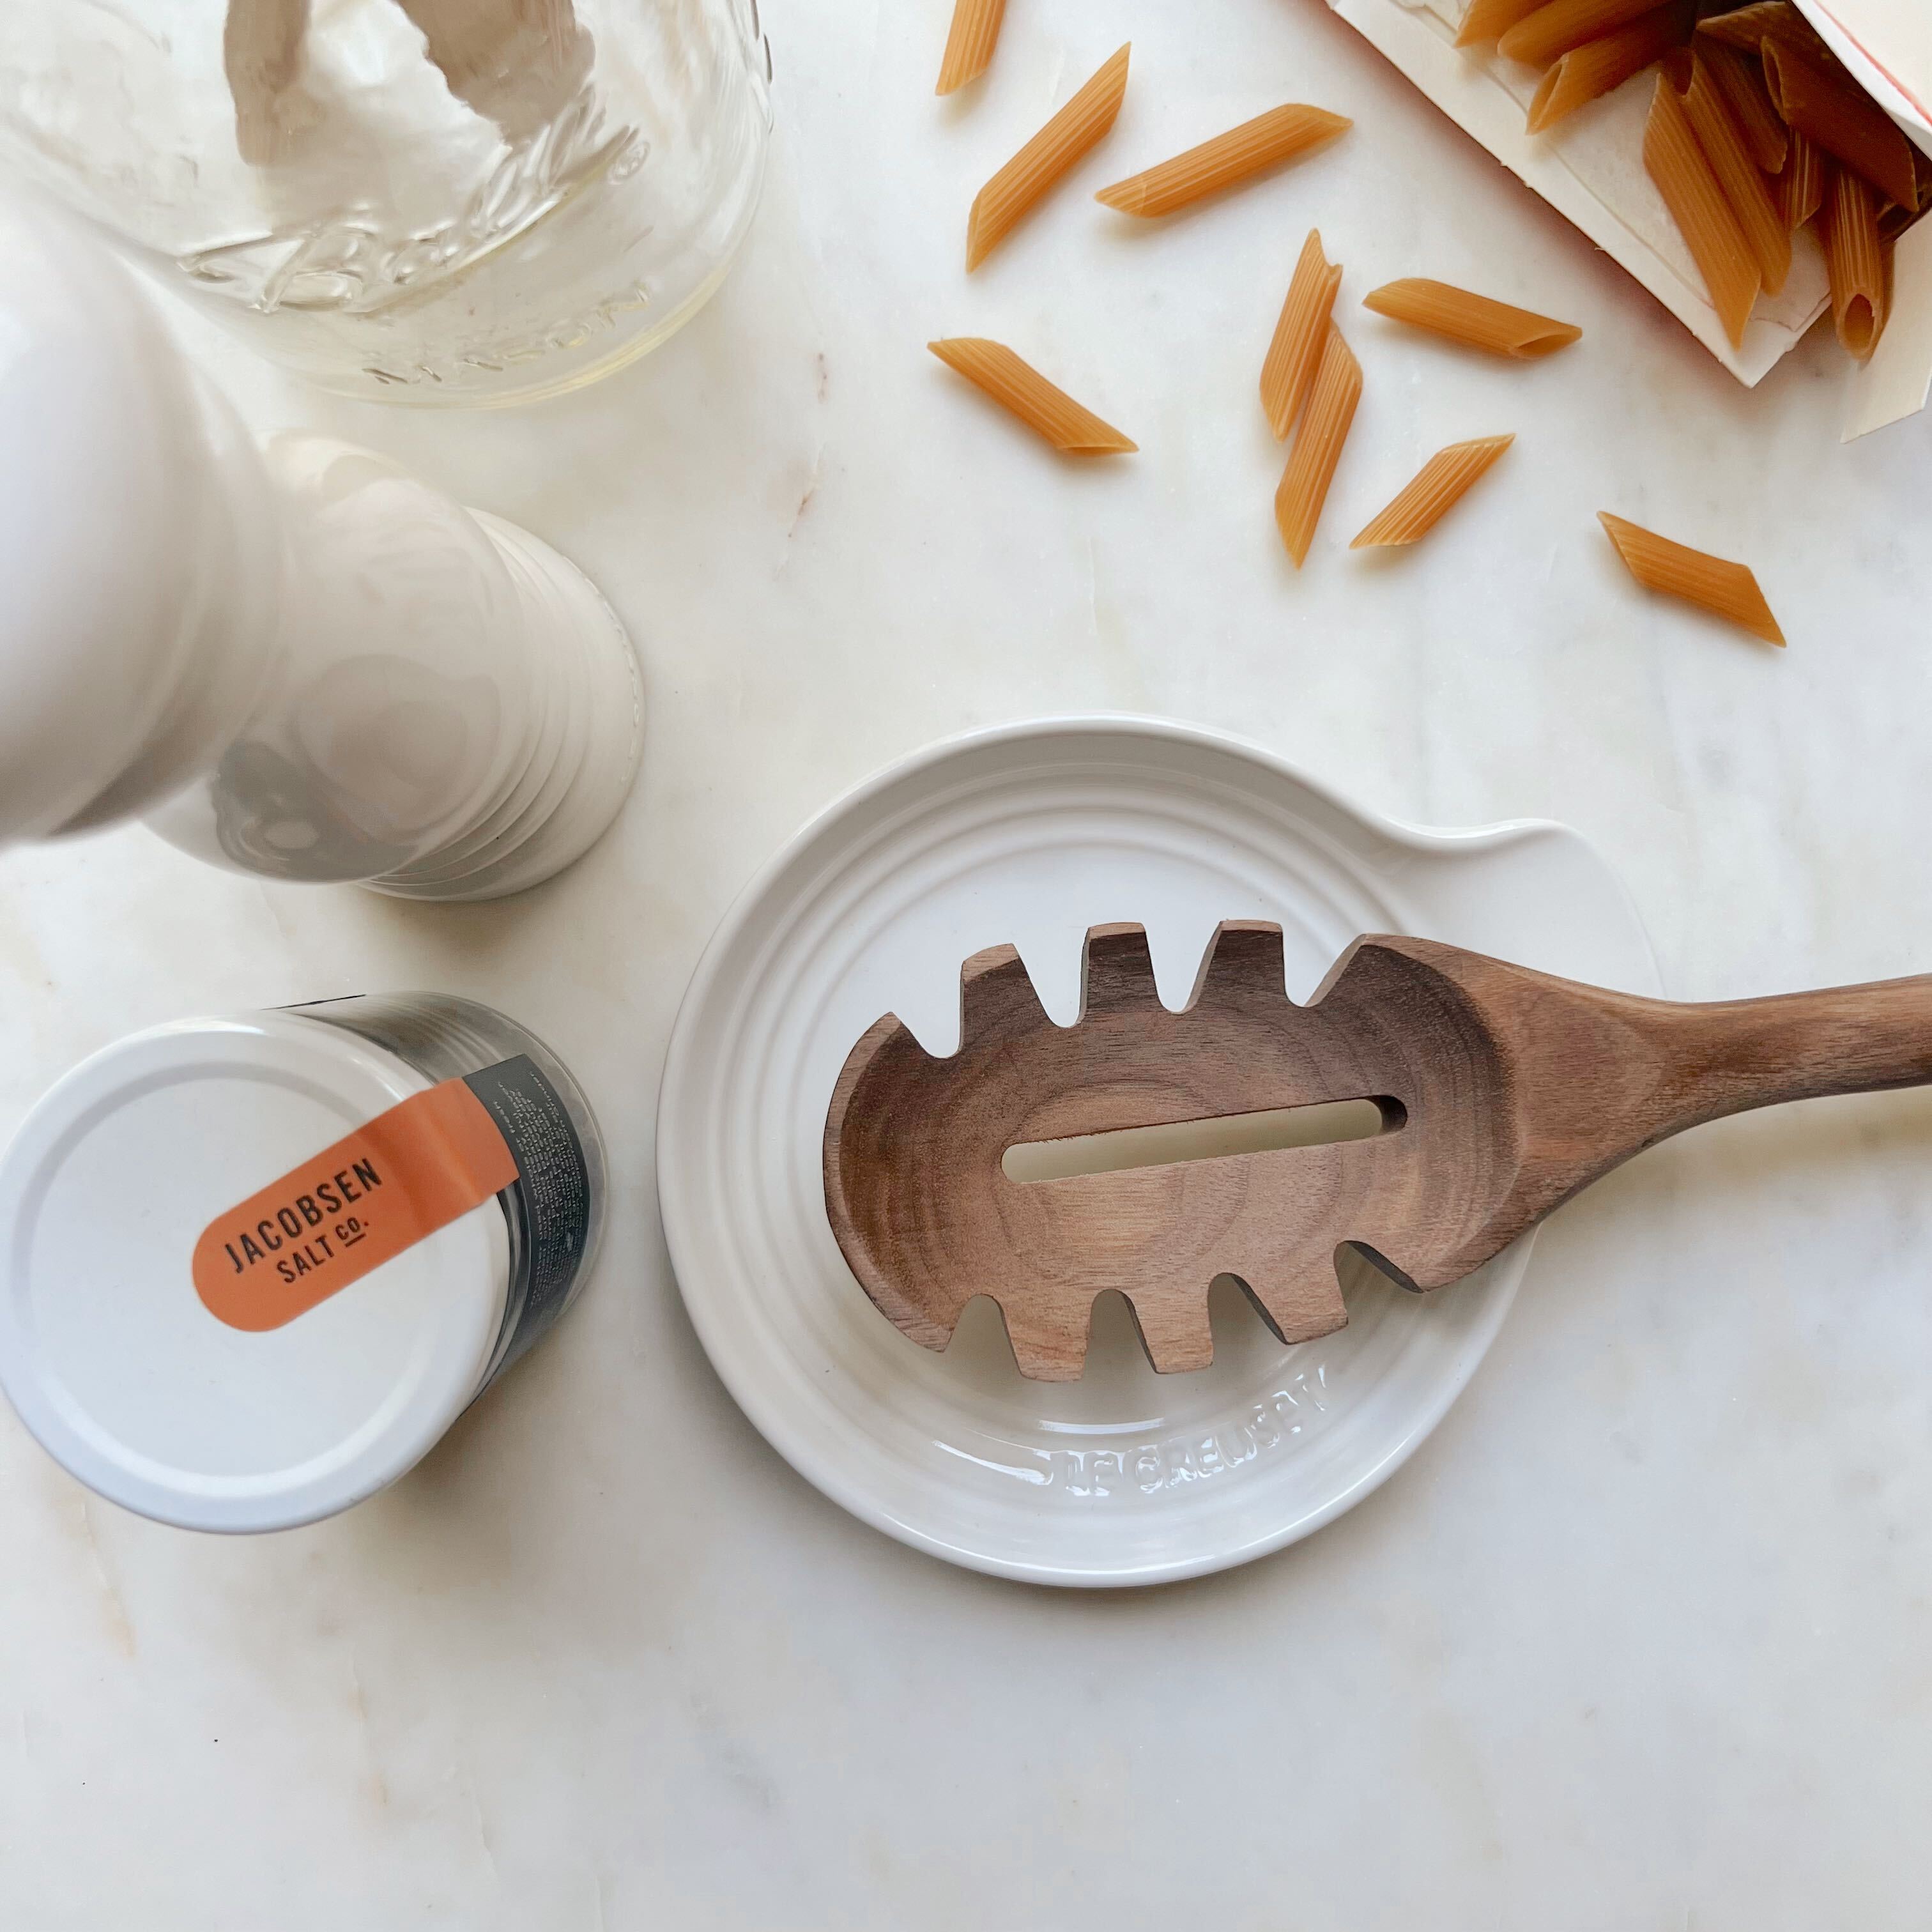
(106, 1349)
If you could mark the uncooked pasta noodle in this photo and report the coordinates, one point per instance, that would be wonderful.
(1490, 20)
(1801, 188)
(1587, 73)
(1227, 161)
(1740, 80)
(1855, 261)
(1317, 446)
(1893, 221)
(1722, 141)
(969, 47)
(1826, 104)
(1556, 28)
(1017, 386)
(1675, 162)
(1439, 485)
(1473, 319)
(1071, 134)
(1299, 335)
(1727, 590)
(1768, 20)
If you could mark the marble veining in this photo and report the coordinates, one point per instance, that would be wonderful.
(1638, 1639)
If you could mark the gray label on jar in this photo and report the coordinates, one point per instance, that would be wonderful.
(550, 1203)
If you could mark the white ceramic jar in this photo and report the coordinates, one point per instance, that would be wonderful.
(118, 1349)
(296, 661)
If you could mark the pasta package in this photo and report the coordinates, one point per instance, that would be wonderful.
(1472, 319)
(969, 45)
(1281, 134)
(1293, 355)
(1075, 131)
(1854, 77)
(1727, 590)
(1019, 388)
(1437, 488)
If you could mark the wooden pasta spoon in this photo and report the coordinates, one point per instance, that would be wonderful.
(1499, 1092)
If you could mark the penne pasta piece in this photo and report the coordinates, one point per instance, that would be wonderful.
(1826, 104)
(1740, 80)
(1490, 20)
(1439, 485)
(1475, 320)
(1226, 161)
(1727, 590)
(1317, 446)
(1893, 221)
(969, 45)
(1855, 261)
(1801, 188)
(1597, 67)
(1675, 162)
(1554, 29)
(1723, 143)
(1299, 335)
(1017, 387)
(1750, 27)
(1071, 132)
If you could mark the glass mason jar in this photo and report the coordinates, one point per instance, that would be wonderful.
(423, 201)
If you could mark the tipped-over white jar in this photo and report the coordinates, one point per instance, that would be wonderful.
(188, 1323)
(296, 661)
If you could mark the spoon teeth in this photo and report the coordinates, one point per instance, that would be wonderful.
(1119, 971)
(1118, 976)
(1242, 954)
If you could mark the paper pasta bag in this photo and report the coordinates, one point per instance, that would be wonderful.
(1590, 168)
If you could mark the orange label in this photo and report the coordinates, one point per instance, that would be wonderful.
(419, 1167)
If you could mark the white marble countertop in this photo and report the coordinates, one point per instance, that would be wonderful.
(1640, 1638)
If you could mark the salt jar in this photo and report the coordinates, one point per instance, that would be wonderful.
(252, 1268)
